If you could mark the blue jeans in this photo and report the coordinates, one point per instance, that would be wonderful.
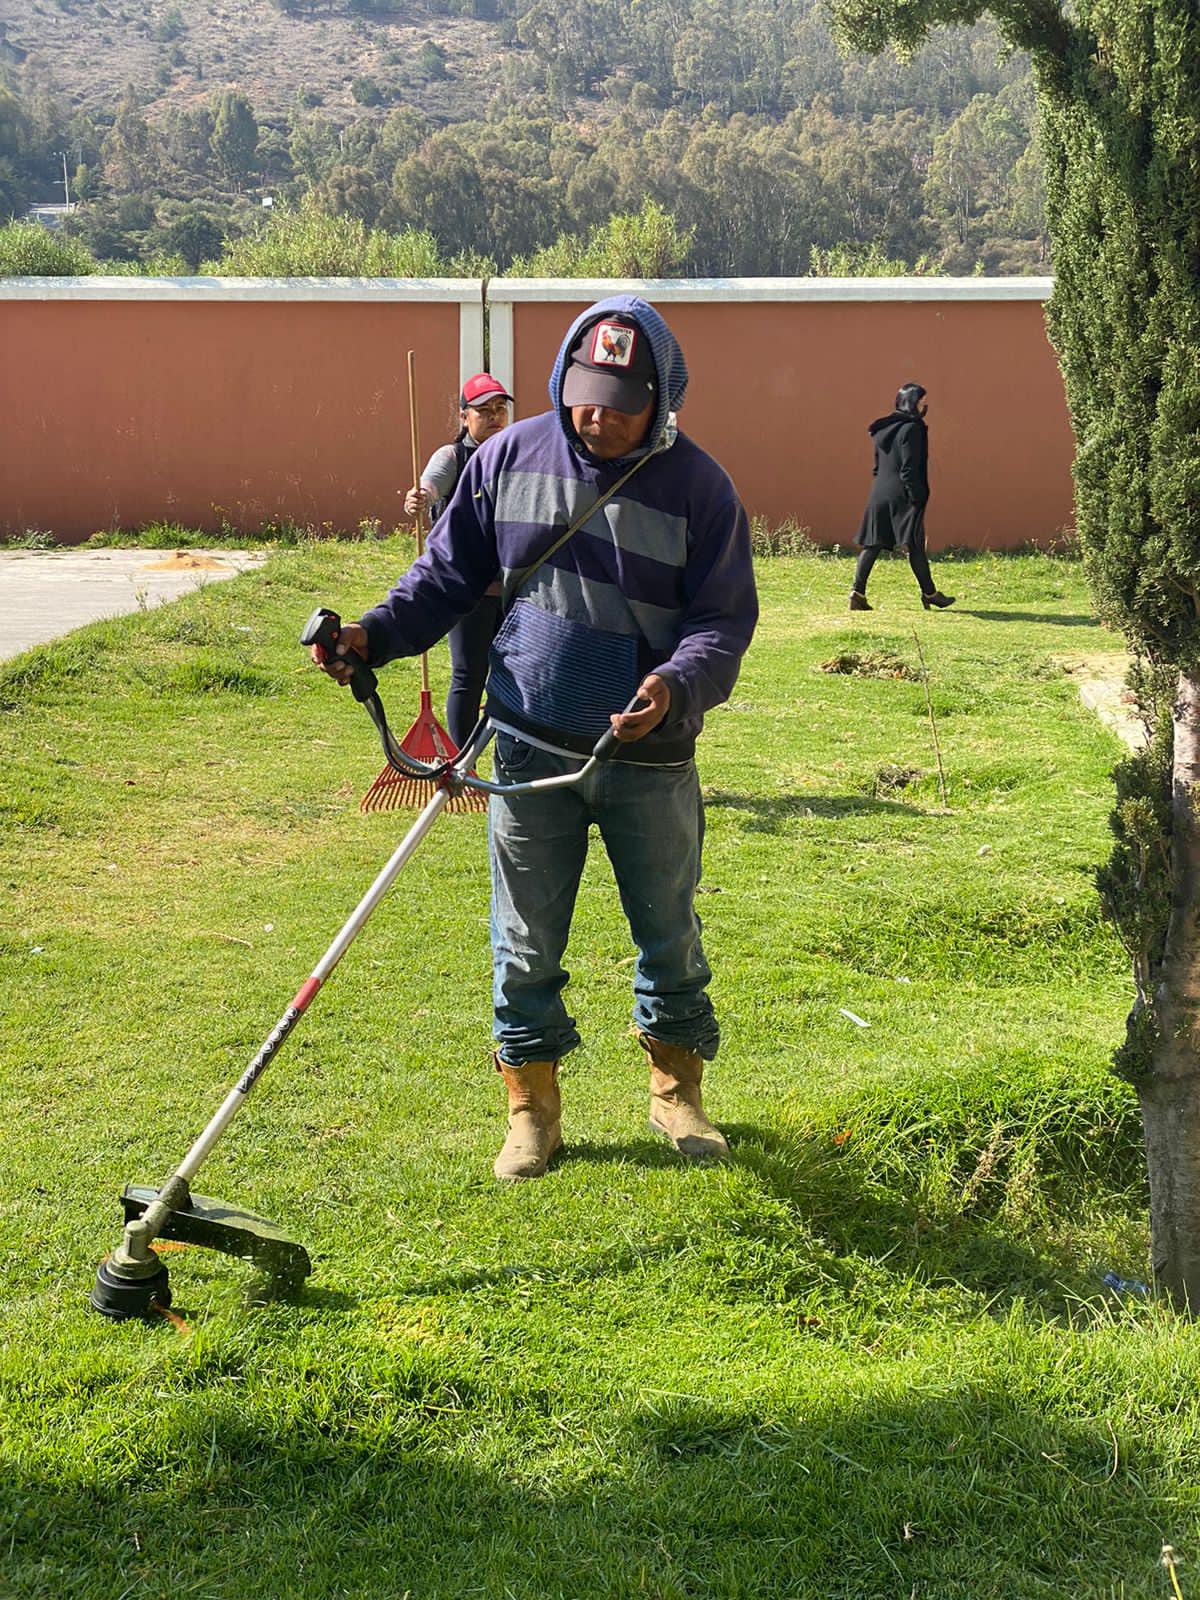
(651, 820)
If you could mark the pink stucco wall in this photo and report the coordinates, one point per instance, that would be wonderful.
(115, 411)
(782, 392)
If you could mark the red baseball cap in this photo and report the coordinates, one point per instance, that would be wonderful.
(479, 388)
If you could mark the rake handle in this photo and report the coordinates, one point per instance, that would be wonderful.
(414, 439)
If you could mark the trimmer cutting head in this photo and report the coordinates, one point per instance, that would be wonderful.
(132, 1283)
(121, 1298)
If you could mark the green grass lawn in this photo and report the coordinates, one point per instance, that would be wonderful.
(872, 1357)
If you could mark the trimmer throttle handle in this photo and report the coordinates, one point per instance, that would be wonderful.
(322, 631)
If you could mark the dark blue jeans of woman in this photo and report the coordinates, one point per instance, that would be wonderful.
(470, 641)
(651, 820)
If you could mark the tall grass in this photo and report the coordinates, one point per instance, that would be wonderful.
(275, 531)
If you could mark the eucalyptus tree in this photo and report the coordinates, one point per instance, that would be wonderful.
(234, 136)
(1118, 85)
(131, 148)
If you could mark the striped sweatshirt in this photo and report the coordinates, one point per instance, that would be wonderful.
(659, 579)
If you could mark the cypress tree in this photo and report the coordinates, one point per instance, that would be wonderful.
(1119, 88)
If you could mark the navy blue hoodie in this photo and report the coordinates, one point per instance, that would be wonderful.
(658, 580)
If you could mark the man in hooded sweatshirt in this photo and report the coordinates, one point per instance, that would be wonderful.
(652, 596)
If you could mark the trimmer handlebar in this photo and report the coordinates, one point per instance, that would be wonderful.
(321, 634)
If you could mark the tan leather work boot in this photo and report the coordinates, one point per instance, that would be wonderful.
(534, 1119)
(675, 1107)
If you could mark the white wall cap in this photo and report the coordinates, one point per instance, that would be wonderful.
(98, 287)
(502, 290)
(735, 289)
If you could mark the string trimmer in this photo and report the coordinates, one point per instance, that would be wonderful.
(133, 1281)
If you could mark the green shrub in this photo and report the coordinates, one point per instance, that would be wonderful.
(786, 539)
(27, 250)
(636, 244)
(366, 92)
(303, 242)
(161, 264)
(29, 539)
(866, 261)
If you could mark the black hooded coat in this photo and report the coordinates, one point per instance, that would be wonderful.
(895, 514)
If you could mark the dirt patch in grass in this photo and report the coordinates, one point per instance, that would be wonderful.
(1102, 680)
(891, 780)
(869, 664)
(188, 561)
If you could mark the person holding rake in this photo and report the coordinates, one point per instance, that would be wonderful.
(483, 412)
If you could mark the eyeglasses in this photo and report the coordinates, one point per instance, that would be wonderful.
(492, 408)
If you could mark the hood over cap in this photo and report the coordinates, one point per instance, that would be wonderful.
(669, 365)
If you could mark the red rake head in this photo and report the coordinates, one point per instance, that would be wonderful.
(392, 791)
(426, 740)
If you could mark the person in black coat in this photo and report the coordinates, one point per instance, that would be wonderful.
(895, 514)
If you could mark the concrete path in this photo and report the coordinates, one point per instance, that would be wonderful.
(1116, 706)
(46, 593)
(1101, 680)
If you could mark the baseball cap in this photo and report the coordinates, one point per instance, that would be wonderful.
(612, 365)
(479, 388)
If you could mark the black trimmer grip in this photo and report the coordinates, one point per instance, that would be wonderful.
(608, 744)
(363, 682)
(322, 632)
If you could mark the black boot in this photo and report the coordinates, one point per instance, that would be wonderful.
(937, 598)
(859, 602)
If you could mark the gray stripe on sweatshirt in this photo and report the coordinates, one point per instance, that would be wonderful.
(544, 500)
(601, 605)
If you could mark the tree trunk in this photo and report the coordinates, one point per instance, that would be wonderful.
(1170, 1096)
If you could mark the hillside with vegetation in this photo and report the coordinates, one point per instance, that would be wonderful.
(510, 131)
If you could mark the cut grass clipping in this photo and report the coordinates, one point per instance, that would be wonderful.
(874, 1356)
